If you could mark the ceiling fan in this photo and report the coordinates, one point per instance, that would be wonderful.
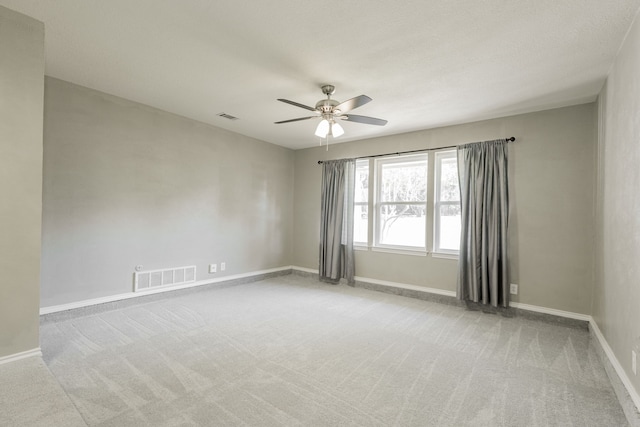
(331, 110)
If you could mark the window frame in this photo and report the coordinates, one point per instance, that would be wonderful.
(375, 223)
(437, 203)
(366, 244)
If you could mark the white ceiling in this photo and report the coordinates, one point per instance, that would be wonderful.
(424, 63)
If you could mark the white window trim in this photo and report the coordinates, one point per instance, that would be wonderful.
(445, 255)
(400, 250)
(359, 245)
(432, 205)
(376, 245)
(437, 251)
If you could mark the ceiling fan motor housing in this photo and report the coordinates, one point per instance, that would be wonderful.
(327, 106)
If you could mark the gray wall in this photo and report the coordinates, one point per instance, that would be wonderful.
(125, 184)
(552, 210)
(21, 98)
(616, 307)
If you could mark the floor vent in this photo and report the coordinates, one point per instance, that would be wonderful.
(227, 116)
(152, 279)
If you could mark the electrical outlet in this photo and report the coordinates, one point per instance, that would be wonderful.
(223, 266)
(213, 268)
(513, 289)
(633, 362)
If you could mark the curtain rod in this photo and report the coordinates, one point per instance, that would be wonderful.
(510, 139)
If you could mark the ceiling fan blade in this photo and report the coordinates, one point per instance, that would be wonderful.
(296, 120)
(352, 103)
(306, 107)
(364, 119)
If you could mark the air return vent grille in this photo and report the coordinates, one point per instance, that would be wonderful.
(227, 116)
(152, 279)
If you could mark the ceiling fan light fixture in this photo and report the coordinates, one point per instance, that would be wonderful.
(323, 129)
(336, 130)
(330, 110)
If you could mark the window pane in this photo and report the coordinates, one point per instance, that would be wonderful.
(360, 224)
(450, 224)
(402, 225)
(362, 181)
(449, 180)
(404, 182)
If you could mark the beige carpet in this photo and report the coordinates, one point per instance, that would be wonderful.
(289, 351)
(31, 396)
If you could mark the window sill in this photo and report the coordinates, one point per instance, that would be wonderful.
(444, 255)
(412, 252)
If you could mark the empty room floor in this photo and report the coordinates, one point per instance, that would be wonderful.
(292, 351)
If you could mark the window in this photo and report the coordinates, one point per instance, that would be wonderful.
(397, 207)
(361, 213)
(401, 202)
(447, 220)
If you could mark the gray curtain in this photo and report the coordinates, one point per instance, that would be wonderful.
(483, 275)
(336, 221)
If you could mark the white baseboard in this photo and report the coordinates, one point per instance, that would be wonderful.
(551, 311)
(128, 295)
(387, 283)
(35, 352)
(305, 269)
(444, 292)
(407, 286)
(528, 307)
(615, 363)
